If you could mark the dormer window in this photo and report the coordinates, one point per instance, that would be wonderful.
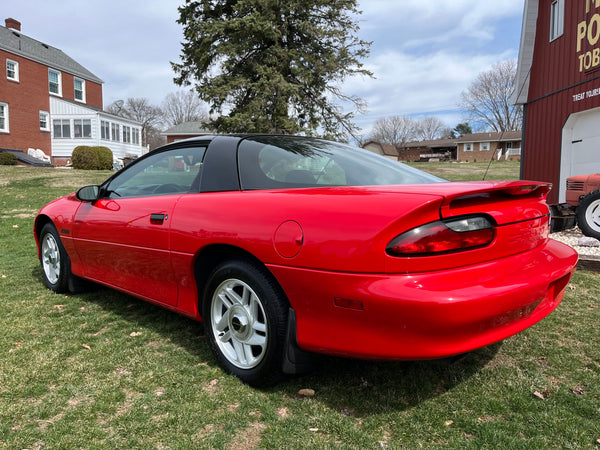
(79, 88)
(54, 82)
(12, 70)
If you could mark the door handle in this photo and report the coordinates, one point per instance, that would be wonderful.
(158, 218)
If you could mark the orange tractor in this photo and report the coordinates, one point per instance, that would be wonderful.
(583, 196)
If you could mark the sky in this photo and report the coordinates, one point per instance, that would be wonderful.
(423, 53)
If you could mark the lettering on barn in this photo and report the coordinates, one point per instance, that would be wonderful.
(588, 36)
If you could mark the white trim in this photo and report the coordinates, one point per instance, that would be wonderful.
(6, 128)
(58, 72)
(47, 114)
(82, 99)
(16, 69)
(481, 149)
(571, 162)
(470, 147)
(528, 32)
(557, 19)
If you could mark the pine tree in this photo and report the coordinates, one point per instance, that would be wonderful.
(273, 66)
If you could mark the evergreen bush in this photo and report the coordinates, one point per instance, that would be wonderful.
(92, 158)
(8, 159)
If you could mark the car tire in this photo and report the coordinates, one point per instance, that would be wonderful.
(588, 214)
(56, 266)
(245, 316)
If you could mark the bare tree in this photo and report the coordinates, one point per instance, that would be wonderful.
(183, 106)
(430, 128)
(140, 110)
(394, 130)
(487, 100)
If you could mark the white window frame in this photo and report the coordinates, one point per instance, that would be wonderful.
(82, 123)
(136, 136)
(126, 134)
(105, 130)
(484, 147)
(15, 70)
(82, 81)
(47, 118)
(557, 19)
(62, 124)
(59, 76)
(468, 147)
(4, 128)
(115, 132)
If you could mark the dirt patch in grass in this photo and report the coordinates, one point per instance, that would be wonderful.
(248, 438)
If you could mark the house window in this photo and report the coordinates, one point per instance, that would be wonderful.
(126, 134)
(44, 121)
(12, 70)
(484, 146)
(54, 82)
(557, 19)
(105, 130)
(79, 88)
(115, 129)
(82, 128)
(62, 128)
(3, 117)
(136, 136)
(468, 147)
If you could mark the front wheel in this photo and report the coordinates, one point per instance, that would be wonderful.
(56, 267)
(245, 315)
(588, 214)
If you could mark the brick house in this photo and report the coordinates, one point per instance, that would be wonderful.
(50, 102)
(485, 146)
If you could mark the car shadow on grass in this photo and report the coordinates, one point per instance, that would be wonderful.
(360, 388)
(355, 387)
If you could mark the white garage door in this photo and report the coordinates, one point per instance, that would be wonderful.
(580, 153)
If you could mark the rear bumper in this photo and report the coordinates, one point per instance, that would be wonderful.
(426, 315)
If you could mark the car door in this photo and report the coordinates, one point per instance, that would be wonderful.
(123, 239)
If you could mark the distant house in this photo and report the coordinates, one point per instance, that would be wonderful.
(382, 149)
(486, 146)
(185, 130)
(439, 149)
(468, 148)
(48, 101)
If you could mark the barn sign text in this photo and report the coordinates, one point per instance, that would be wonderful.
(588, 35)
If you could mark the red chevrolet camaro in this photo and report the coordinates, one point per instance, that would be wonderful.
(287, 246)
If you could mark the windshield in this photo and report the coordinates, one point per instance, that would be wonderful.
(280, 162)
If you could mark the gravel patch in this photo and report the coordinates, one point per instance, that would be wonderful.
(584, 245)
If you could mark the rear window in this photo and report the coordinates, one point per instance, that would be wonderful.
(283, 162)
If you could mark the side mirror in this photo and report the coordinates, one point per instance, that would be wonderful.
(88, 193)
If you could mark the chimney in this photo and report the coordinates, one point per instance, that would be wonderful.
(13, 24)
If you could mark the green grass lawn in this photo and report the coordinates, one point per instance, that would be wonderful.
(105, 370)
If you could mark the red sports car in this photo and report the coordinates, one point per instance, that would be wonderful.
(286, 246)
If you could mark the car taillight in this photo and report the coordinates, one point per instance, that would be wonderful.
(447, 236)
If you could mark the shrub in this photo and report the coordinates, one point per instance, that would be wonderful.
(105, 158)
(92, 158)
(8, 159)
(85, 158)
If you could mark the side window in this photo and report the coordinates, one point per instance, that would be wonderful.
(171, 172)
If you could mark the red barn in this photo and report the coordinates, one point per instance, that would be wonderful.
(558, 83)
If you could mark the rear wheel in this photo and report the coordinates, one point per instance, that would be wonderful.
(245, 315)
(588, 214)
